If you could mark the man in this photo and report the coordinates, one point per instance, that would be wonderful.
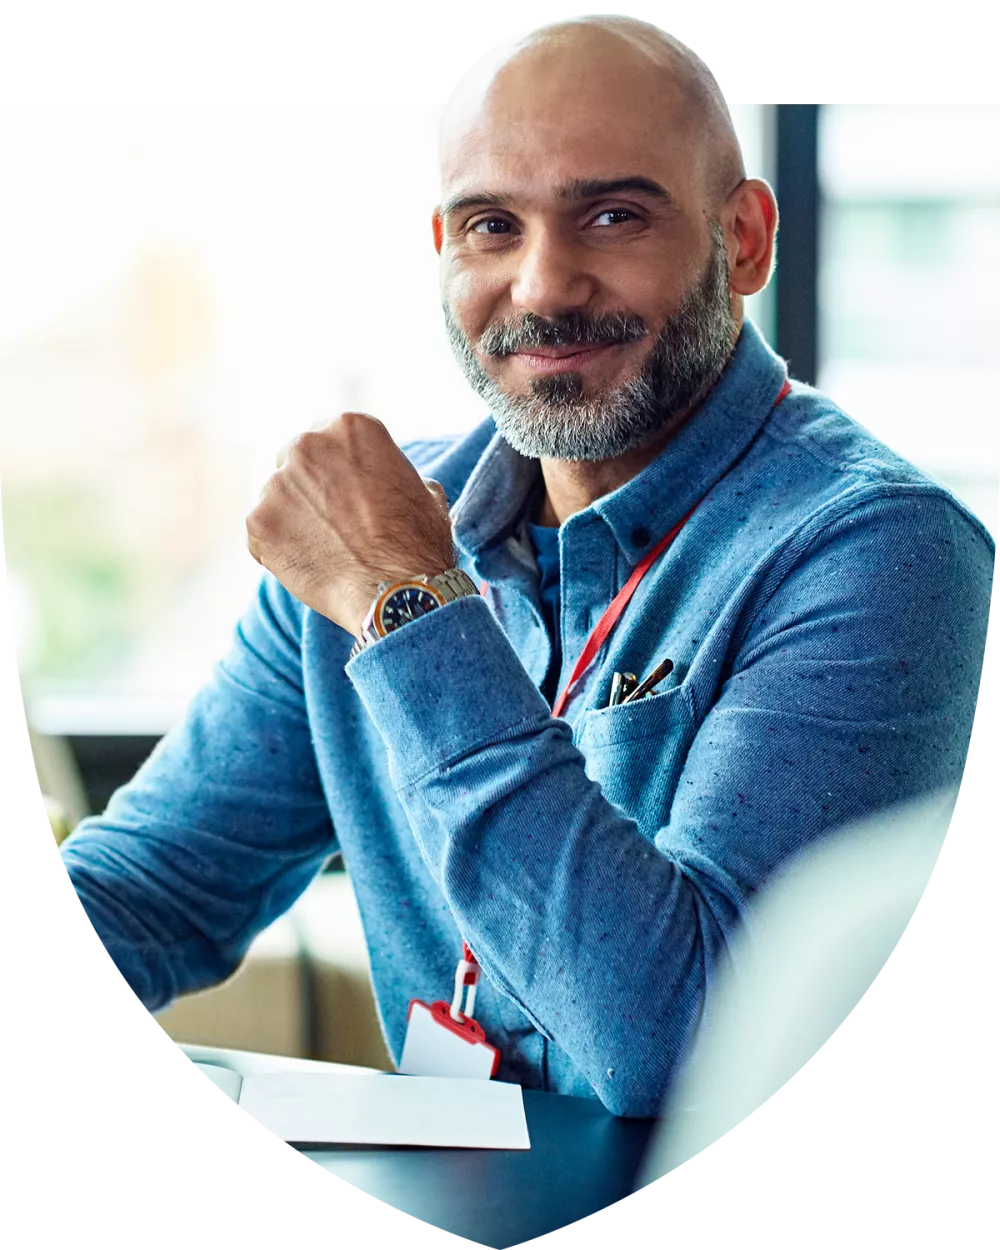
(822, 603)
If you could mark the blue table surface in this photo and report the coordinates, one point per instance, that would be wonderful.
(582, 1158)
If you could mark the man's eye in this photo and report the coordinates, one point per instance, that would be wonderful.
(614, 217)
(490, 225)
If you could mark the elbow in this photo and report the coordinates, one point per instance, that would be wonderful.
(636, 1083)
(631, 1102)
(142, 969)
(632, 1093)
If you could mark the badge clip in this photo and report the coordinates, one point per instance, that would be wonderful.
(442, 1039)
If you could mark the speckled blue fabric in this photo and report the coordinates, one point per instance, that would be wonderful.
(545, 544)
(825, 608)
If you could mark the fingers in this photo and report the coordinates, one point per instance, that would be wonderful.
(346, 422)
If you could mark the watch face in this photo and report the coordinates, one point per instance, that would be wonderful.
(404, 604)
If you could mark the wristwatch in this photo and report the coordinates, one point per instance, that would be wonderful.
(398, 603)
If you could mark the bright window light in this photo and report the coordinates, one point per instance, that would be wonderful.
(193, 281)
(909, 323)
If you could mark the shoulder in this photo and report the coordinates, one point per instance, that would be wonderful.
(839, 470)
(844, 525)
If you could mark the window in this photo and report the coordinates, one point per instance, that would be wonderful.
(182, 298)
(909, 269)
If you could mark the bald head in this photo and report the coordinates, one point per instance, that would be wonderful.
(597, 236)
(621, 70)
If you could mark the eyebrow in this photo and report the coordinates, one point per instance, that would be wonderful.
(576, 190)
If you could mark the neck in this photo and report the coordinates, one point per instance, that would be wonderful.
(572, 485)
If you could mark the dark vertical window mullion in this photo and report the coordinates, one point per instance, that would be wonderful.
(796, 278)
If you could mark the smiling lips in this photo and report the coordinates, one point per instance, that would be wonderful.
(560, 359)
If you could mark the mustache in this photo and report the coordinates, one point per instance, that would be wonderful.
(573, 329)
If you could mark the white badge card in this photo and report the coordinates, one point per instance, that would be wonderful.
(438, 1045)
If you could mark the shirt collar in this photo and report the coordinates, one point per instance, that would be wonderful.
(639, 513)
(495, 497)
(703, 450)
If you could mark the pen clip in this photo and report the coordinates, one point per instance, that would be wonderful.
(664, 669)
(622, 685)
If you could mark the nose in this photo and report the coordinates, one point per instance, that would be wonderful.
(551, 278)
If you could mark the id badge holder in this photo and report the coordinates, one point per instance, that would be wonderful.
(444, 1040)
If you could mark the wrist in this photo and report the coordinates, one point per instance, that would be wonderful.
(354, 605)
(399, 602)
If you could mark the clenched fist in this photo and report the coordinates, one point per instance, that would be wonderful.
(345, 511)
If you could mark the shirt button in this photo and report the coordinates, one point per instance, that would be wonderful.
(640, 537)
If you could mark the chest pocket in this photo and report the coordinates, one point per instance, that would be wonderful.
(635, 752)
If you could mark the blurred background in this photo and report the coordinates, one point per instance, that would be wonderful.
(204, 302)
(183, 288)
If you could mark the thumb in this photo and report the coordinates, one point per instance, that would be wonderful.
(437, 490)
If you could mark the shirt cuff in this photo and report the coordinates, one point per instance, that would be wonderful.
(444, 685)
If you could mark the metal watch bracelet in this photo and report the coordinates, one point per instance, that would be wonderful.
(450, 585)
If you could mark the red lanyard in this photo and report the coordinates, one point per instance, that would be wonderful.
(617, 606)
(467, 972)
(609, 618)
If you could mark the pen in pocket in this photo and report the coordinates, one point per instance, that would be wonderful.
(622, 684)
(649, 683)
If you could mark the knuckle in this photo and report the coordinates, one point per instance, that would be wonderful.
(311, 447)
(260, 518)
(305, 445)
(360, 423)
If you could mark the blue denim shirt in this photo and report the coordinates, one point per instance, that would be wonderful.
(545, 544)
(825, 608)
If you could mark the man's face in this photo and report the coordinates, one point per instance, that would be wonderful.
(585, 282)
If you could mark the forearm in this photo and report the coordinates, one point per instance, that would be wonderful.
(220, 830)
(602, 910)
(159, 955)
(602, 940)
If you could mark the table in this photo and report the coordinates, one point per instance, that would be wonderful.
(582, 1158)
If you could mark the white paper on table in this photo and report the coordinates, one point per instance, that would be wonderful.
(228, 1081)
(320, 1107)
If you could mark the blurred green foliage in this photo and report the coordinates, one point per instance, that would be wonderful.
(81, 576)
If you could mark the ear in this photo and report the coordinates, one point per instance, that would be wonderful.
(437, 225)
(752, 215)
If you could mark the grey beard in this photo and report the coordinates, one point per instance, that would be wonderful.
(557, 421)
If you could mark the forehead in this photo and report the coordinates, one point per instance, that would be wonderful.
(530, 137)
